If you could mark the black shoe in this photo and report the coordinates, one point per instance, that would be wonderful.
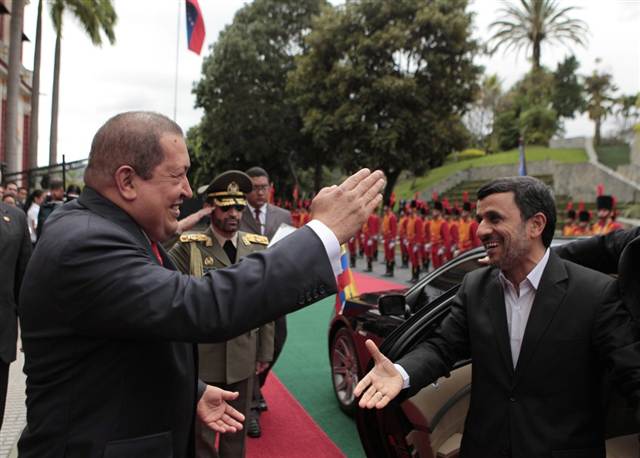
(262, 405)
(253, 427)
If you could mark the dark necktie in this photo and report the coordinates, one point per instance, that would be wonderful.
(258, 219)
(230, 250)
(156, 251)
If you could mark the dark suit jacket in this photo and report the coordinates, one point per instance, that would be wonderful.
(15, 249)
(551, 403)
(614, 253)
(108, 332)
(275, 217)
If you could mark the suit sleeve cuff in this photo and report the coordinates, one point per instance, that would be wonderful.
(405, 376)
(201, 388)
(330, 242)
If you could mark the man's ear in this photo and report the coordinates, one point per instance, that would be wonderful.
(124, 178)
(537, 224)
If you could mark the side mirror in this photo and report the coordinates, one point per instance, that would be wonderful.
(392, 304)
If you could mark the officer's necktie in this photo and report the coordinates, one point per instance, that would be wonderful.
(156, 251)
(258, 219)
(230, 250)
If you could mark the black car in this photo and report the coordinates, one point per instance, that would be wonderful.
(429, 424)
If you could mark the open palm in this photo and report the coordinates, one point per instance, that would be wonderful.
(381, 384)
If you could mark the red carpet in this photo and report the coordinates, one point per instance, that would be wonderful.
(367, 283)
(287, 429)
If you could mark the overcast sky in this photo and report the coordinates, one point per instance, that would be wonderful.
(139, 71)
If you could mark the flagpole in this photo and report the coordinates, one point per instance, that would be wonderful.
(175, 83)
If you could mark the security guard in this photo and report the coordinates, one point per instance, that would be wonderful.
(229, 365)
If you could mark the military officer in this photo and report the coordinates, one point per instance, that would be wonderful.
(229, 365)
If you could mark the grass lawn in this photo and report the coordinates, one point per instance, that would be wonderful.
(406, 188)
(614, 155)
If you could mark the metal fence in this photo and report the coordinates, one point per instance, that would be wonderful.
(40, 177)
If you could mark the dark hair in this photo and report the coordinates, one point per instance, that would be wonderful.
(131, 138)
(531, 196)
(35, 194)
(55, 184)
(257, 172)
(73, 189)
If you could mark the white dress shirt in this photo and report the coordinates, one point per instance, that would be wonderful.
(518, 305)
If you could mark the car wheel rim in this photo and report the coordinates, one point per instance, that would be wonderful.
(344, 369)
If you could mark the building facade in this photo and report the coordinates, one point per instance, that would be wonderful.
(24, 105)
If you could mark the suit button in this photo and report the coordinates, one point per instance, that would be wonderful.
(322, 290)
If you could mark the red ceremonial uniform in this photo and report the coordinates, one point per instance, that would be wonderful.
(455, 239)
(417, 242)
(600, 229)
(464, 235)
(439, 237)
(402, 233)
(371, 235)
(390, 233)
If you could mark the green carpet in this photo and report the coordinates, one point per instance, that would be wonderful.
(303, 367)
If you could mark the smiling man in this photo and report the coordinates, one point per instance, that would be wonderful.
(540, 331)
(109, 324)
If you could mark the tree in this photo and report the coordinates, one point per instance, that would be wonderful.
(386, 82)
(526, 111)
(599, 88)
(627, 111)
(481, 117)
(534, 23)
(35, 92)
(249, 118)
(13, 85)
(96, 17)
(567, 97)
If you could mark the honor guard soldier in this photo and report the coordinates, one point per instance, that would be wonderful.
(229, 365)
(390, 234)
(606, 213)
(584, 222)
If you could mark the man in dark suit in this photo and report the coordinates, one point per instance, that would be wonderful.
(540, 331)
(15, 249)
(108, 324)
(261, 217)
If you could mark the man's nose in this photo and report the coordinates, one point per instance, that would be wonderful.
(188, 193)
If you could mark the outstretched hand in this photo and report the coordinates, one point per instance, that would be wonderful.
(345, 208)
(214, 411)
(381, 384)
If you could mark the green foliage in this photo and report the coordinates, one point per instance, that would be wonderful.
(567, 97)
(599, 88)
(526, 111)
(614, 155)
(469, 153)
(480, 118)
(249, 117)
(94, 16)
(533, 23)
(385, 83)
(406, 189)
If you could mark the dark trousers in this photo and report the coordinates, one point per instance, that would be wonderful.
(280, 336)
(231, 445)
(4, 383)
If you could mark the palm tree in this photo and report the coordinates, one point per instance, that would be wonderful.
(35, 92)
(95, 16)
(534, 23)
(599, 88)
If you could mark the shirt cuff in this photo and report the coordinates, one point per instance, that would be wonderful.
(405, 376)
(330, 242)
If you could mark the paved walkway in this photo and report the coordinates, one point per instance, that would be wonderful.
(15, 414)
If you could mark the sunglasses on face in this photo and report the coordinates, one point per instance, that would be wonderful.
(226, 208)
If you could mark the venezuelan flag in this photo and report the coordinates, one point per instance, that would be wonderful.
(346, 284)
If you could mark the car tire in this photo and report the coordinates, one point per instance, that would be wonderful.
(345, 370)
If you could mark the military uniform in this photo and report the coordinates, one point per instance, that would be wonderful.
(230, 365)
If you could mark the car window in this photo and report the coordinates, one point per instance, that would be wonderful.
(446, 280)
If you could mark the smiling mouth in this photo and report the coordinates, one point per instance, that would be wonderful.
(490, 245)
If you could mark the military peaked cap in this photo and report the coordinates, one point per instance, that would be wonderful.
(229, 188)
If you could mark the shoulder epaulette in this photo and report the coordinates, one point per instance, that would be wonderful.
(255, 238)
(195, 237)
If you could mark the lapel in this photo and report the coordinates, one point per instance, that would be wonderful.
(549, 297)
(494, 302)
(250, 220)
